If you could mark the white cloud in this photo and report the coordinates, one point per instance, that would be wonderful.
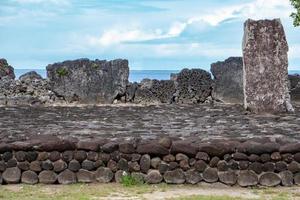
(294, 51)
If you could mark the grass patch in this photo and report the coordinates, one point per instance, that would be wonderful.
(129, 181)
(196, 197)
(62, 72)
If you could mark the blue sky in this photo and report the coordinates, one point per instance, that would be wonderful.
(151, 34)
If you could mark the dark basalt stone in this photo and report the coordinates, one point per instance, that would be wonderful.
(184, 147)
(192, 176)
(153, 177)
(269, 179)
(67, 177)
(104, 175)
(145, 163)
(247, 178)
(85, 176)
(89, 81)
(228, 80)
(12, 175)
(6, 70)
(47, 177)
(228, 177)
(30, 77)
(88, 145)
(192, 86)
(29, 177)
(175, 177)
(152, 148)
(127, 147)
(210, 175)
(110, 147)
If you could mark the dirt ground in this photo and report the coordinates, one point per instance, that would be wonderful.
(147, 192)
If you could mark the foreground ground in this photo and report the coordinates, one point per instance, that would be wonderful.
(153, 192)
(205, 121)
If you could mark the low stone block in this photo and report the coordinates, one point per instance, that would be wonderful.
(85, 176)
(104, 175)
(175, 177)
(247, 178)
(67, 177)
(269, 179)
(12, 175)
(47, 177)
(210, 175)
(29, 177)
(153, 177)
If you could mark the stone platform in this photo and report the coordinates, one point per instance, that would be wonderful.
(119, 121)
(160, 143)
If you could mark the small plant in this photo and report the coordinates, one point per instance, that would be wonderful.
(95, 66)
(127, 180)
(62, 72)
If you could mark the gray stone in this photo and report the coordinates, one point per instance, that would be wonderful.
(192, 176)
(119, 174)
(152, 148)
(80, 155)
(228, 80)
(88, 165)
(88, 81)
(104, 175)
(294, 167)
(295, 87)
(192, 86)
(74, 165)
(247, 178)
(67, 177)
(30, 77)
(54, 156)
(145, 163)
(24, 166)
(200, 165)
(286, 178)
(59, 166)
(269, 179)
(175, 177)
(181, 156)
(210, 175)
(12, 175)
(20, 156)
(155, 91)
(122, 164)
(297, 178)
(112, 165)
(134, 166)
(265, 67)
(228, 177)
(85, 176)
(153, 177)
(35, 166)
(6, 70)
(203, 156)
(29, 177)
(47, 165)
(155, 162)
(47, 177)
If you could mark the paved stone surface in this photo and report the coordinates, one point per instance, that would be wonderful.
(205, 121)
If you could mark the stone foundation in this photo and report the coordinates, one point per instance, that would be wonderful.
(51, 160)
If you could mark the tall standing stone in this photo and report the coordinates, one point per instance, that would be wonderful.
(265, 67)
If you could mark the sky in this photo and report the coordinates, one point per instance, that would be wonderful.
(151, 34)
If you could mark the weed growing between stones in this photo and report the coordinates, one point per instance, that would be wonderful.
(62, 72)
(127, 180)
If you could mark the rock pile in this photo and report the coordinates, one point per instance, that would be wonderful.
(187, 87)
(295, 87)
(52, 160)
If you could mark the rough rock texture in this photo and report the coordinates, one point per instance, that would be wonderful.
(228, 80)
(265, 67)
(6, 70)
(295, 87)
(155, 91)
(88, 81)
(31, 89)
(192, 86)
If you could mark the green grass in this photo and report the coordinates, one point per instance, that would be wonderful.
(130, 190)
(62, 72)
(128, 181)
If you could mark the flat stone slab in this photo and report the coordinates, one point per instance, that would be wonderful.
(203, 121)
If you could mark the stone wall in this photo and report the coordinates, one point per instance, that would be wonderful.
(51, 160)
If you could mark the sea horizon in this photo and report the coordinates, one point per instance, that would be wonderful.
(134, 75)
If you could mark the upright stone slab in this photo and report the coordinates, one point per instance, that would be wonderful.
(228, 80)
(265, 67)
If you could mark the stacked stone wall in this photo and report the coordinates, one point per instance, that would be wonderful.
(174, 161)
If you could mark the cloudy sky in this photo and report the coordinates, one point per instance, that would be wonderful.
(152, 34)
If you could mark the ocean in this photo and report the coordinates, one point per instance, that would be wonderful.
(134, 75)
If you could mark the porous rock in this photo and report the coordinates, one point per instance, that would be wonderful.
(12, 175)
(228, 177)
(6, 70)
(192, 86)
(67, 177)
(265, 55)
(269, 179)
(247, 178)
(192, 176)
(153, 177)
(85, 176)
(175, 177)
(47, 177)
(104, 175)
(29, 177)
(89, 81)
(210, 175)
